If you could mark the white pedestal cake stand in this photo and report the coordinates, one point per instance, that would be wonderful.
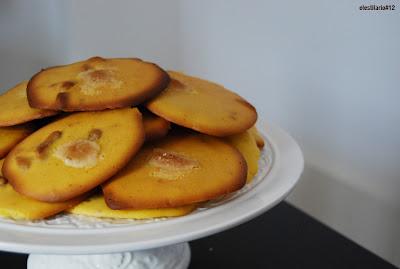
(70, 241)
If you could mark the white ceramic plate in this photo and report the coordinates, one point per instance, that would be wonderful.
(282, 162)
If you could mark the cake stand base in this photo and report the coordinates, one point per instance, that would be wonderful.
(169, 257)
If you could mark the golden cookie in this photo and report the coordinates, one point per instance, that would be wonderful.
(15, 108)
(74, 154)
(246, 144)
(155, 127)
(180, 169)
(203, 106)
(96, 84)
(11, 136)
(259, 139)
(96, 207)
(16, 206)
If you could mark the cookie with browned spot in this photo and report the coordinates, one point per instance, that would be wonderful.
(74, 154)
(15, 108)
(11, 136)
(95, 206)
(16, 206)
(179, 169)
(203, 106)
(155, 127)
(96, 84)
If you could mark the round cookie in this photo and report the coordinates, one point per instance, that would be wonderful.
(259, 139)
(96, 84)
(16, 206)
(95, 206)
(74, 154)
(180, 169)
(203, 106)
(11, 136)
(155, 127)
(15, 108)
(246, 144)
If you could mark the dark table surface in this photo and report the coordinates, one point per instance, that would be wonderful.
(283, 237)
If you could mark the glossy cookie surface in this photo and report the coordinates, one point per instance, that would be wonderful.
(74, 154)
(96, 84)
(16, 206)
(256, 134)
(180, 169)
(11, 136)
(246, 144)
(203, 106)
(15, 108)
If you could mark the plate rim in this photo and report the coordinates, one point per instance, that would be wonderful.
(287, 167)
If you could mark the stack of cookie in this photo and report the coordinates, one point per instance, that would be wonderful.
(121, 138)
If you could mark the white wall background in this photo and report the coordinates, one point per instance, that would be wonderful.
(31, 37)
(323, 70)
(42, 33)
(146, 29)
(330, 75)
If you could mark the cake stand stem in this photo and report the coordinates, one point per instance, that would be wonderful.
(169, 257)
